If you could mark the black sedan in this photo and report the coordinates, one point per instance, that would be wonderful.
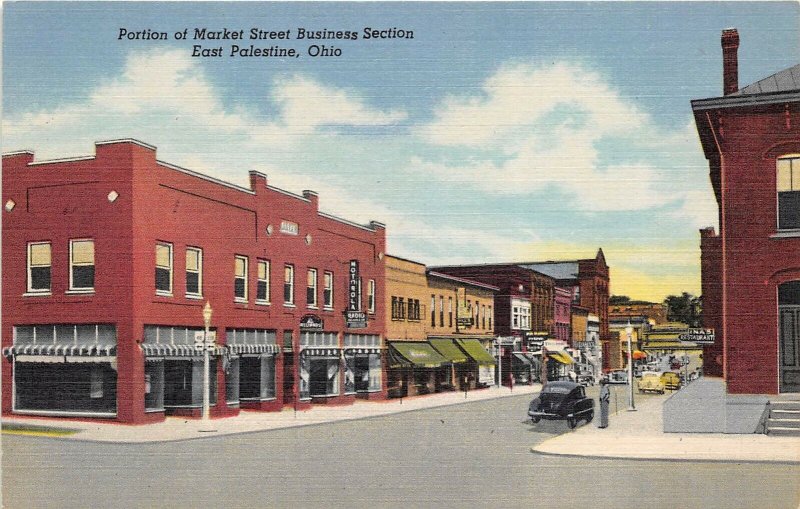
(562, 400)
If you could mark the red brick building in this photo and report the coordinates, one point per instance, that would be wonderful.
(108, 261)
(589, 280)
(751, 270)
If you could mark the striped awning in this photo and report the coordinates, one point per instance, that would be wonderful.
(320, 352)
(70, 349)
(238, 349)
(362, 350)
(168, 350)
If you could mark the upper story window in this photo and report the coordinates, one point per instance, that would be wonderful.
(81, 264)
(371, 296)
(288, 284)
(399, 308)
(413, 309)
(39, 260)
(433, 310)
(441, 310)
(262, 286)
(450, 311)
(789, 192)
(490, 317)
(521, 315)
(311, 289)
(194, 272)
(164, 268)
(240, 278)
(327, 291)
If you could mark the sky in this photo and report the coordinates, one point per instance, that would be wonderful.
(500, 132)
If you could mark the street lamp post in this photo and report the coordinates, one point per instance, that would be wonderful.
(207, 345)
(629, 332)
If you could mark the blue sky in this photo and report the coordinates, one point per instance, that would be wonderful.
(501, 132)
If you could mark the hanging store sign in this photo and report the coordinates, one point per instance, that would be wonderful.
(699, 336)
(353, 287)
(311, 323)
(355, 319)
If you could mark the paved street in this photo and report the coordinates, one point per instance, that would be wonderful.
(474, 454)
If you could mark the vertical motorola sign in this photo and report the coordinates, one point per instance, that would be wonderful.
(354, 287)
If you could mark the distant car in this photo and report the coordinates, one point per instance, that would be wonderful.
(619, 376)
(672, 380)
(562, 401)
(651, 382)
(586, 379)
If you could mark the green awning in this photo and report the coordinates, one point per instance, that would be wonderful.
(420, 354)
(475, 350)
(448, 349)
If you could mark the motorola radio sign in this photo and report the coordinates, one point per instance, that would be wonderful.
(355, 319)
(353, 289)
(699, 336)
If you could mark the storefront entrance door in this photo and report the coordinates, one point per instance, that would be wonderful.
(789, 336)
(790, 348)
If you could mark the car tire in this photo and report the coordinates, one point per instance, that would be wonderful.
(571, 422)
(535, 419)
(590, 418)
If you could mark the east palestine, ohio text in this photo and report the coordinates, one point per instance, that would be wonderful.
(245, 51)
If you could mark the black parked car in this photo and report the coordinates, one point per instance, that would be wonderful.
(562, 400)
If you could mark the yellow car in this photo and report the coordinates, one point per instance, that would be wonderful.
(671, 380)
(651, 382)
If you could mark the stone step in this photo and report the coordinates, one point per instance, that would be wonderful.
(773, 422)
(789, 414)
(787, 404)
(790, 432)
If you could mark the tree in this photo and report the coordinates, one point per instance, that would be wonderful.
(685, 308)
(616, 300)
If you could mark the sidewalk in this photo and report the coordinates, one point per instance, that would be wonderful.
(639, 435)
(180, 428)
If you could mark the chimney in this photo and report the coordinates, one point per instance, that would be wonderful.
(312, 197)
(730, 61)
(257, 181)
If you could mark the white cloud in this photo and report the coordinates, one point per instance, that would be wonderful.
(561, 126)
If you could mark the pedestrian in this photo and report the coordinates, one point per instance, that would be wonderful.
(605, 398)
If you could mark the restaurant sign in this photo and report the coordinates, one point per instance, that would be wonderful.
(698, 336)
(310, 323)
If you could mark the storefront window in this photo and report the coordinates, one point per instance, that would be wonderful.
(154, 385)
(85, 387)
(183, 382)
(232, 380)
(350, 373)
(323, 376)
(257, 377)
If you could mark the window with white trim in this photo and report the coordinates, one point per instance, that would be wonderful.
(163, 268)
(39, 261)
(240, 278)
(194, 272)
(288, 284)
(327, 292)
(520, 315)
(81, 264)
(311, 288)
(789, 192)
(262, 285)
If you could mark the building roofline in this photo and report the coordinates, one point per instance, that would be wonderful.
(61, 160)
(18, 152)
(345, 221)
(126, 140)
(404, 259)
(204, 177)
(461, 280)
(736, 101)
